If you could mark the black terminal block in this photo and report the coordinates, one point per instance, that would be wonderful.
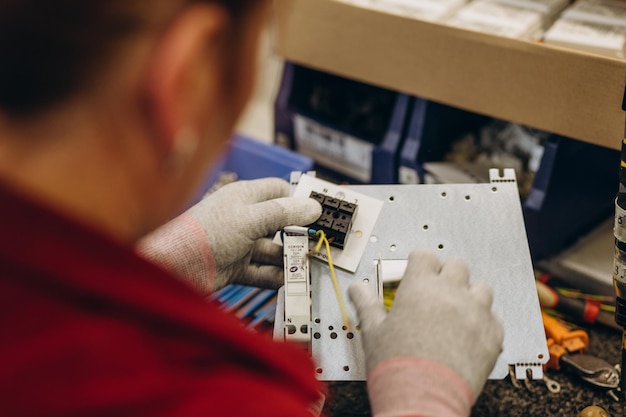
(336, 219)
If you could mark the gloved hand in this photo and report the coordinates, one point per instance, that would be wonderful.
(437, 316)
(224, 238)
(238, 219)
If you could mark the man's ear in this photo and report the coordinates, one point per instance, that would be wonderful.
(184, 72)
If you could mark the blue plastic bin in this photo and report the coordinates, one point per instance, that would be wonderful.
(432, 129)
(354, 112)
(573, 191)
(251, 159)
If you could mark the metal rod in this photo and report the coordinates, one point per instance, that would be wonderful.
(619, 271)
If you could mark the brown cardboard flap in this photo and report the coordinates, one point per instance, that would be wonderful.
(567, 92)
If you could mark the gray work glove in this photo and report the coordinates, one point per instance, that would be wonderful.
(437, 315)
(240, 218)
(224, 238)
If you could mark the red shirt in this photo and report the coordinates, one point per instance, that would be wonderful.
(88, 328)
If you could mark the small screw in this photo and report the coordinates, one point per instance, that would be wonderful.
(613, 395)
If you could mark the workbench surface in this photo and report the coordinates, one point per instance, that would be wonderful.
(501, 398)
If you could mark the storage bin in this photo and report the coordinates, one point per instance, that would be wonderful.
(353, 131)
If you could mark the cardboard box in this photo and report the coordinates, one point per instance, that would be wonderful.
(572, 93)
(431, 10)
(507, 20)
(588, 36)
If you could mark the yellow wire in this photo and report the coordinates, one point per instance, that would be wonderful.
(389, 294)
(610, 309)
(320, 241)
(342, 305)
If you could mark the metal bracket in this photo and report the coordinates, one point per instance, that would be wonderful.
(480, 223)
(507, 175)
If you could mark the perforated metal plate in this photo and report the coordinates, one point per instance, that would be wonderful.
(479, 223)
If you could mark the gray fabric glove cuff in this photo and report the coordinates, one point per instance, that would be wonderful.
(182, 248)
(412, 386)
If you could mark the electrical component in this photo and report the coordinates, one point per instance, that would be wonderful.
(349, 257)
(336, 218)
(297, 283)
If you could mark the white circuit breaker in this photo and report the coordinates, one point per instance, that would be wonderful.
(297, 291)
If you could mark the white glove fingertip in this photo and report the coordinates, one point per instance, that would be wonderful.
(482, 293)
(369, 308)
(422, 262)
(270, 216)
(305, 210)
(456, 272)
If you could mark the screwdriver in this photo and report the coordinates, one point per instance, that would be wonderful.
(619, 267)
(581, 310)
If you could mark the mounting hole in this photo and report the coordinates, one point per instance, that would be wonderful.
(333, 335)
(331, 328)
(425, 227)
(366, 281)
(317, 320)
(444, 194)
(494, 189)
(468, 197)
(346, 368)
(350, 335)
(392, 198)
(358, 233)
(319, 370)
(393, 248)
(373, 239)
(440, 246)
(316, 335)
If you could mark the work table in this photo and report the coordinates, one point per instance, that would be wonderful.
(501, 398)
